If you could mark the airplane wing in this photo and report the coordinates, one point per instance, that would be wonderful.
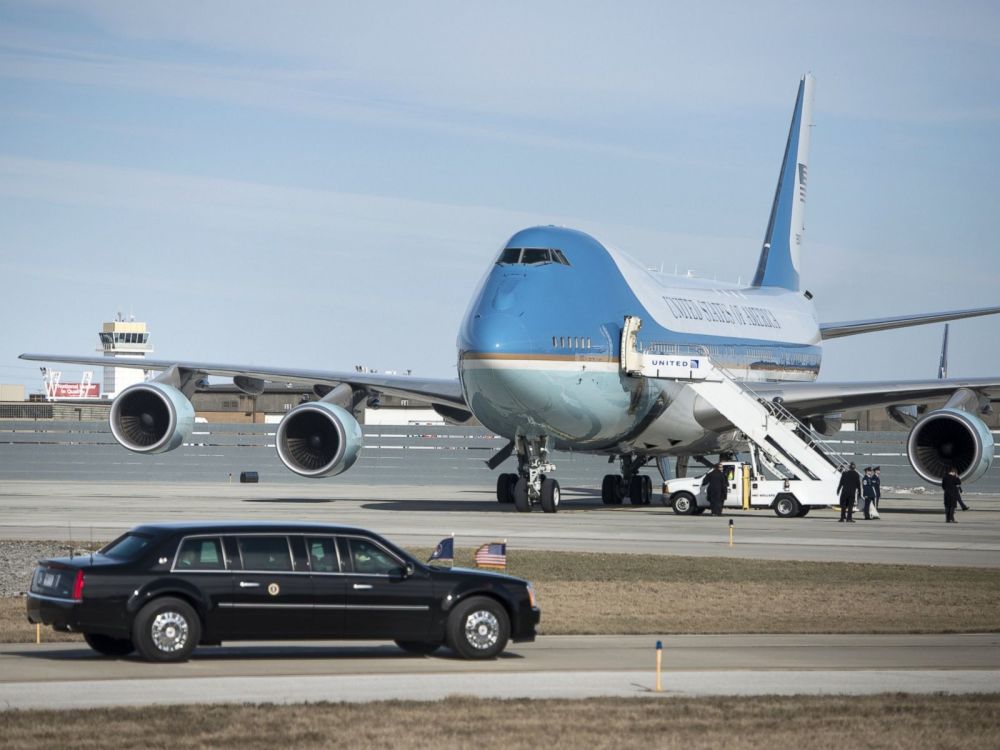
(446, 393)
(815, 399)
(854, 327)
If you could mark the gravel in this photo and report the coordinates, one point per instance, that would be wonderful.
(18, 559)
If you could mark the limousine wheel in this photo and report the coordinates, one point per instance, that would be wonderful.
(478, 628)
(166, 629)
(421, 648)
(108, 646)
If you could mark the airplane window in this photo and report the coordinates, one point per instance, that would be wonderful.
(558, 256)
(531, 255)
(509, 255)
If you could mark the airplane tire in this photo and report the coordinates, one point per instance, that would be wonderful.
(609, 489)
(505, 488)
(647, 490)
(786, 506)
(636, 490)
(550, 495)
(521, 501)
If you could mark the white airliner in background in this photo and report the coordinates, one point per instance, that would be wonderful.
(540, 362)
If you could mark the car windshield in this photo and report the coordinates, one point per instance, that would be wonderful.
(126, 547)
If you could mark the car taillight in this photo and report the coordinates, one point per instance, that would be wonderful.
(78, 586)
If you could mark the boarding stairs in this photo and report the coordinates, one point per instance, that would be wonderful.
(787, 447)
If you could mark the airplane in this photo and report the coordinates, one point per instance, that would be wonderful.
(541, 356)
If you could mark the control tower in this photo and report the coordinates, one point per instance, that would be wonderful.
(123, 339)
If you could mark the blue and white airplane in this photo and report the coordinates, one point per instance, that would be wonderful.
(540, 362)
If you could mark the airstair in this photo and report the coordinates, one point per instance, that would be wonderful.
(788, 447)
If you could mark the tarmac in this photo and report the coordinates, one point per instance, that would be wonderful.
(911, 531)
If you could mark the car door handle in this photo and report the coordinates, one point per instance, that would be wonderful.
(362, 586)
(249, 585)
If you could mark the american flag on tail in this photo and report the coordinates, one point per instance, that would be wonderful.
(492, 555)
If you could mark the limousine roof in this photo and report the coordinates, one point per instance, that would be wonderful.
(236, 527)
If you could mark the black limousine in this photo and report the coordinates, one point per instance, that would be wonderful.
(162, 589)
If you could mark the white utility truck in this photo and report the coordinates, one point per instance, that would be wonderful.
(748, 489)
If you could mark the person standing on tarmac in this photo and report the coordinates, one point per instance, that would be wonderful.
(952, 486)
(716, 482)
(849, 490)
(877, 481)
(868, 492)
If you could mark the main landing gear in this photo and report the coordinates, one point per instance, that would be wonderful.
(529, 486)
(638, 488)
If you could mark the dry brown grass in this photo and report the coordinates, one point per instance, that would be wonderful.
(657, 594)
(895, 721)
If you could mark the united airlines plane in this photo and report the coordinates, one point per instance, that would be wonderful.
(542, 354)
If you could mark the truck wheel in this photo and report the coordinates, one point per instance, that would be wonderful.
(478, 628)
(166, 629)
(786, 506)
(804, 511)
(683, 503)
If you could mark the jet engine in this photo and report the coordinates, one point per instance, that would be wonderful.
(151, 417)
(319, 439)
(950, 437)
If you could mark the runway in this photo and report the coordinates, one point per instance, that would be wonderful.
(911, 530)
(71, 676)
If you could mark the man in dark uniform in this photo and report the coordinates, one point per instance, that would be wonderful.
(952, 486)
(716, 482)
(849, 490)
(877, 481)
(868, 492)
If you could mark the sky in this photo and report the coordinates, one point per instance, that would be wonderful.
(322, 184)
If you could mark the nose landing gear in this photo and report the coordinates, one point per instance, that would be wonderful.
(530, 486)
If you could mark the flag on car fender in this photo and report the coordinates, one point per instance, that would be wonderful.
(444, 552)
(492, 555)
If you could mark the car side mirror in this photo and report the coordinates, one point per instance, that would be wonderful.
(408, 570)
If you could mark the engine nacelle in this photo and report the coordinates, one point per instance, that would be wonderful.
(950, 437)
(151, 417)
(319, 439)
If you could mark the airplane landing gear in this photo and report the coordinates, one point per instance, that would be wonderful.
(529, 486)
(638, 488)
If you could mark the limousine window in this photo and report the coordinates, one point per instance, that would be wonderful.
(322, 555)
(265, 553)
(126, 547)
(200, 554)
(370, 558)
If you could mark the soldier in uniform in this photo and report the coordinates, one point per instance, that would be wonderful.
(877, 481)
(868, 492)
(849, 490)
(716, 482)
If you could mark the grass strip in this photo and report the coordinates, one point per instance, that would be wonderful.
(891, 721)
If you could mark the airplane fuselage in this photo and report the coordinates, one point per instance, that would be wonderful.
(540, 345)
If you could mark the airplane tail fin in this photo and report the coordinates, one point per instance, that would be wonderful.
(779, 258)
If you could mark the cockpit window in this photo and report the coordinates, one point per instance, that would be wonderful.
(530, 256)
(509, 255)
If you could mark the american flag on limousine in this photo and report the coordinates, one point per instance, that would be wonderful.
(492, 555)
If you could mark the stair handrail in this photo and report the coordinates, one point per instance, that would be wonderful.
(780, 412)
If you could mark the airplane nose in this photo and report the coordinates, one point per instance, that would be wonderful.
(506, 293)
(494, 332)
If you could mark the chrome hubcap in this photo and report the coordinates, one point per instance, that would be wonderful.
(169, 632)
(482, 629)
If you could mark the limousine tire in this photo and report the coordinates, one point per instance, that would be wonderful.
(108, 646)
(419, 648)
(166, 629)
(478, 628)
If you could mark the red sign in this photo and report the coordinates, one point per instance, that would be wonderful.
(74, 390)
